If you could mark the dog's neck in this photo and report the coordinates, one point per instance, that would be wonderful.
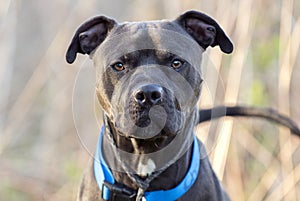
(171, 174)
(170, 177)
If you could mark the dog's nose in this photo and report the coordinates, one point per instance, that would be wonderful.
(149, 94)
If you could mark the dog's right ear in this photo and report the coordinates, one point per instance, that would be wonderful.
(88, 36)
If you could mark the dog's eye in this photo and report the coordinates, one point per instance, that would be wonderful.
(118, 66)
(176, 63)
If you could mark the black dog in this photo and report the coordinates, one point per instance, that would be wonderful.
(148, 83)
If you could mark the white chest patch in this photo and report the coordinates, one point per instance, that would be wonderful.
(146, 169)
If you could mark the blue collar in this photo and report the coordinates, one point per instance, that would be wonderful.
(104, 175)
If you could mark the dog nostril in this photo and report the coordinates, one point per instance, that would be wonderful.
(155, 96)
(140, 97)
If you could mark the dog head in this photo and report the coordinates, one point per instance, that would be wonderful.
(148, 73)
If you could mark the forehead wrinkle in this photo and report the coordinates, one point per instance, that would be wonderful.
(117, 45)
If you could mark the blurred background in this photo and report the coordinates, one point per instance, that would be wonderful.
(49, 116)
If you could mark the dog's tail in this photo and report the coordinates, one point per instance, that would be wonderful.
(246, 111)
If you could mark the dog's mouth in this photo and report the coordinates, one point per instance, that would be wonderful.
(140, 115)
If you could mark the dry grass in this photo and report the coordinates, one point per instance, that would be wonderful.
(42, 158)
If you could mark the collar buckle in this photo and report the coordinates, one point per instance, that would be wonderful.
(114, 192)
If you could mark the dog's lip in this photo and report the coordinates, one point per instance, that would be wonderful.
(160, 135)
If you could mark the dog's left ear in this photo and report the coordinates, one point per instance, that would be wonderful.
(205, 30)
